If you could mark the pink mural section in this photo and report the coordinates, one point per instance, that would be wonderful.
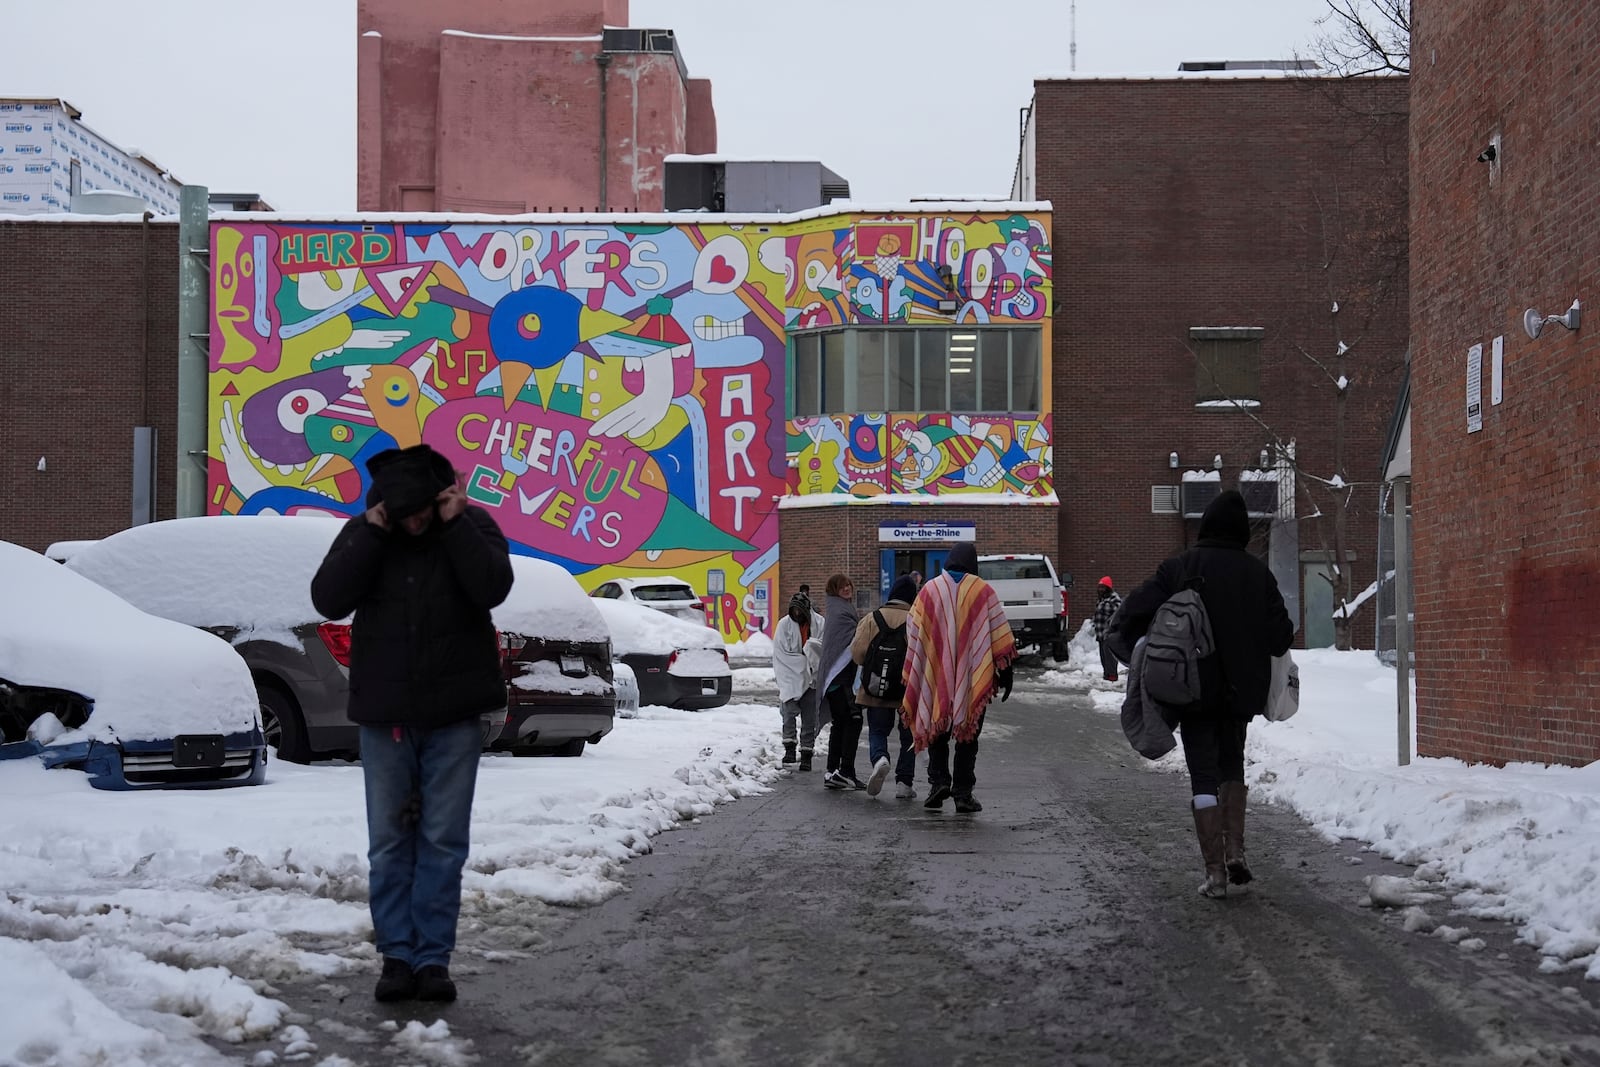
(929, 455)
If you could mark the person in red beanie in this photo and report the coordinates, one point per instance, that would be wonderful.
(1104, 612)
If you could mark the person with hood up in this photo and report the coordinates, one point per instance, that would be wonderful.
(1104, 611)
(959, 651)
(882, 711)
(420, 570)
(1249, 626)
(796, 652)
(838, 680)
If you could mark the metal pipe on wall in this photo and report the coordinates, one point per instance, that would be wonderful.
(194, 244)
(603, 61)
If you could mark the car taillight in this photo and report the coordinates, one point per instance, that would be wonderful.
(510, 645)
(336, 637)
(672, 659)
(1063, 603)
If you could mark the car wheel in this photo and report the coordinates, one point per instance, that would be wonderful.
(281, 722)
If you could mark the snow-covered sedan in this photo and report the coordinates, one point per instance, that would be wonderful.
(557, 652)
(673, 596)
(88, 681)
(678, 664)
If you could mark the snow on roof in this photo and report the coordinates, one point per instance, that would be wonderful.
(511, 37)
(249, 571)
(1183, 75)
(616, 218)
(834, 500)
(635, 628)
(68, 216)
(713, 157)
(547, 602)
(1202, 476)
(150, 679)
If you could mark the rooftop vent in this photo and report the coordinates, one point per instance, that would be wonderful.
(1163, 500)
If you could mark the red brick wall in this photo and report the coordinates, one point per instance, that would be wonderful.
(817, 542)
(1216, 202)
(75, 342)
(1506, 520)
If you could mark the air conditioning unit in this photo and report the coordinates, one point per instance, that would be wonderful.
(1198, 495)
(1260, 496)
(1163, 500)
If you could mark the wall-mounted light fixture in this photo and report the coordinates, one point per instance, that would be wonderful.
(947, 278)
(1263, 458)
(1172, 461)
(40, 467)
(1534, 323)
(1216, 462)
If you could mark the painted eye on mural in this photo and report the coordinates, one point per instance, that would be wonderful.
(340, 433)
(397, 392)
(529, 325)
(815, 272)
(225, 277)
(296, 407)
(247, 265)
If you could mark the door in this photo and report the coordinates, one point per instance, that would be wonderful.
(1317, 599)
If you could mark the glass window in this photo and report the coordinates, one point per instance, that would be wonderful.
(994, 370)
(833, 372)
(1026, 392)
(963, 376)
(932, 371)
(902, 345)
(869, 370)
(807, 375)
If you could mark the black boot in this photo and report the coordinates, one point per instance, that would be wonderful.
(788, 752)
(433, 983)
(397, 982)
(805, 759)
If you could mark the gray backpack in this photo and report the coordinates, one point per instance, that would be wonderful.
(1178, 639)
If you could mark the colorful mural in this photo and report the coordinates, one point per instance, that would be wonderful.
(612, 393)
(936, 455)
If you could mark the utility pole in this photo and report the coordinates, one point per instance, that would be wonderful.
(1074, 45)
(194, 251)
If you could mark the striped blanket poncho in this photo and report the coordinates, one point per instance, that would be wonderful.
(957, 639)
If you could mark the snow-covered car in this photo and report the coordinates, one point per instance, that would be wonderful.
(247, 579)
(88, 681)
(678, 664)
(557, 653)
(626, 683)
(670, 595)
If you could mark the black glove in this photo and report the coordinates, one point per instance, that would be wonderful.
(1003, 676)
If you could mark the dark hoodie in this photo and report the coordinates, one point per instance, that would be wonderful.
(1249, 622)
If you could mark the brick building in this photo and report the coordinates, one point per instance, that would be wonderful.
(1506, 514)
(88, 337)
(485, 106)
(1236, 241)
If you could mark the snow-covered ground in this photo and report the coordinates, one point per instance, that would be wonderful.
(1519, 843)
(134, 924)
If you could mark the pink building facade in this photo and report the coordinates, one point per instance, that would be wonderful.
(506, 106)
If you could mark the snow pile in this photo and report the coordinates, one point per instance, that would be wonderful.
(638, 629)
(746, 679)
(626, 684)
(249, 571)
(150, 679)
(135, 925)
(544, 676)
(756, 646)
(547, 602)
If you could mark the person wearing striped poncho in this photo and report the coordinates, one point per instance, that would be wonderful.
(959, 651)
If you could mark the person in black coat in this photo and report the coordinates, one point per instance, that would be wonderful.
(1249, 626)
(420, 570)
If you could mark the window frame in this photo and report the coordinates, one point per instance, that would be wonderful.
(895, 374)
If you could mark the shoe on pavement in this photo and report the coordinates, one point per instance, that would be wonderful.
(967, 805)
(835, 780)
(855, 783)
(397, 982)
(805, 760)
(936, 799)
(433, 983)
(879, 775)
(905, 791)
(788, 752)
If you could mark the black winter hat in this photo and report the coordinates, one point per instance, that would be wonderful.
(407, 480)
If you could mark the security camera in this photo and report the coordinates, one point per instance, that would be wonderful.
(1488, 154)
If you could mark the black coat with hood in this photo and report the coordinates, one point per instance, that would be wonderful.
(424, 651)
(1249, 623)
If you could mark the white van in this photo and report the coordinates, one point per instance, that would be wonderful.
(1035, 599)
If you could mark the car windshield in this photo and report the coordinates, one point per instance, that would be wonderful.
(654, 593)
(1001, 570)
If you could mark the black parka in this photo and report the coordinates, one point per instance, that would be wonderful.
(424, 651)
(1249, 623)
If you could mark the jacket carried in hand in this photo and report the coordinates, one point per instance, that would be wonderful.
(423, 651)
(796, 657)
(1249, 623)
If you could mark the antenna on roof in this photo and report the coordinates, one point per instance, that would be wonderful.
(1074, 46)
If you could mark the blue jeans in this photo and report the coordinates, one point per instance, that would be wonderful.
(879, 723)
(419, 817)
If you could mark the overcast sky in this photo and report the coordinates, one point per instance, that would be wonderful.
(902, 97)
